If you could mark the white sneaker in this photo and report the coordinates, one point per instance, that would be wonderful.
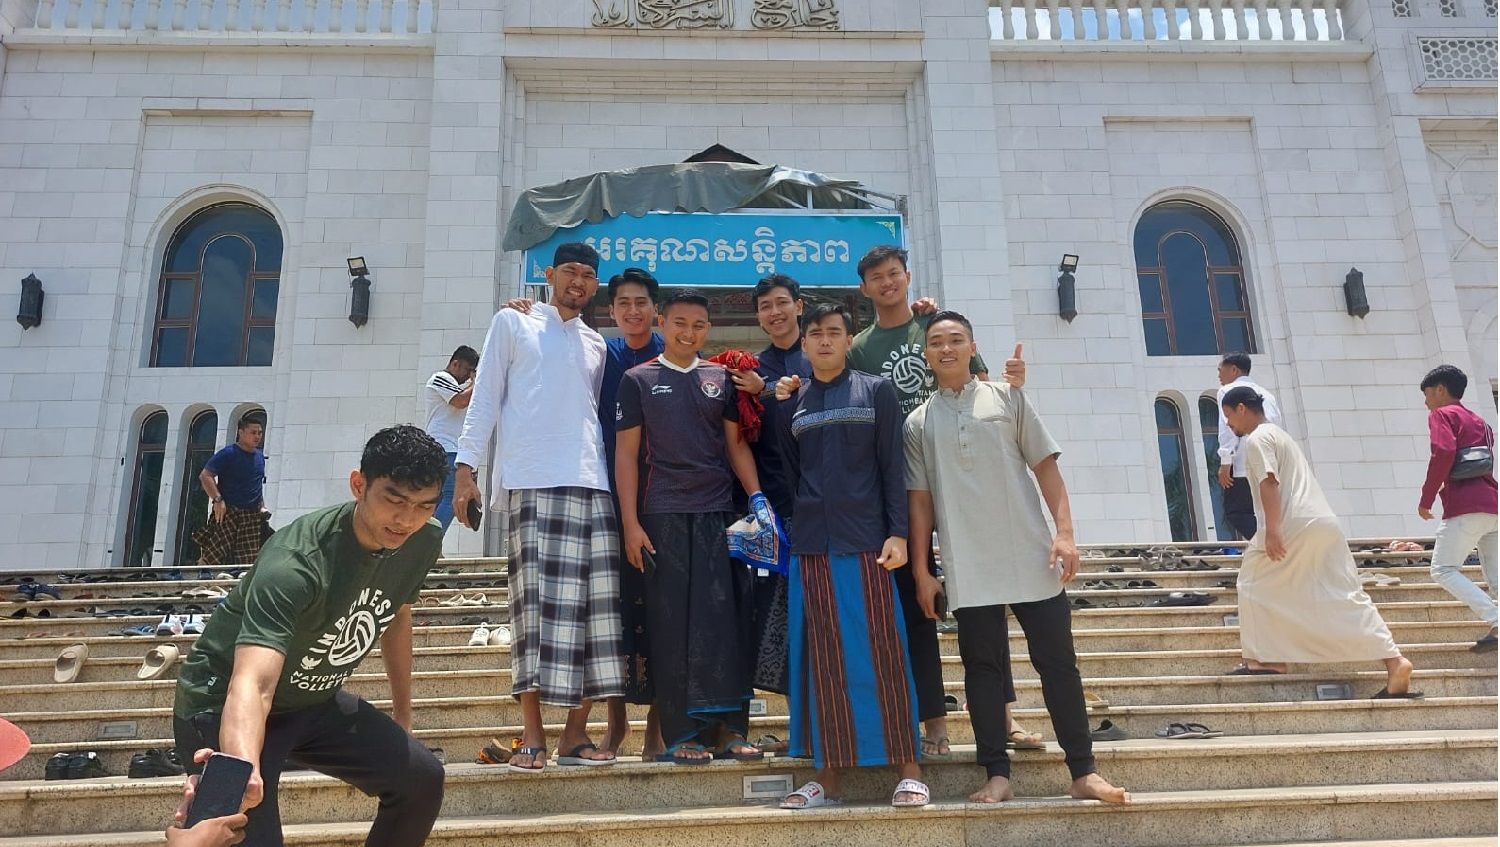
(193, 625)
(480, 636)
(500, 637)
(169, 625)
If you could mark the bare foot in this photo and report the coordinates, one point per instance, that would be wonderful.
(1093, 787)
(1398, 678)
(996, 790)
(1279, 667)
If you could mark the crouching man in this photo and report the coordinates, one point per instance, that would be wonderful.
(265, 680)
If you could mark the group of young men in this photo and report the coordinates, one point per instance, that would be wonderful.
(620, 465)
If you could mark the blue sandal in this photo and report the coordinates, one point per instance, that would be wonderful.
(735, 750)
(671, 754)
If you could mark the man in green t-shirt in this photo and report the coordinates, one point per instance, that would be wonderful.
(265, 680)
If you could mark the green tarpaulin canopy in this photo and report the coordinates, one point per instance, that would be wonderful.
(688, 187)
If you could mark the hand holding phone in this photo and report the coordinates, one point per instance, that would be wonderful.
(220, 790)
(476, 514)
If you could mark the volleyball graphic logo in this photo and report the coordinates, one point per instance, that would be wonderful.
(354, 640)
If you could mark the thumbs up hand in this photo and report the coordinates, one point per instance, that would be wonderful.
(1015, 369)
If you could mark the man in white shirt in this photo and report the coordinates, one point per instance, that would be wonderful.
(538, 385)
(447, 395)
(1239, 506)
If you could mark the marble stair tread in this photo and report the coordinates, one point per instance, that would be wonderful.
(763, 824)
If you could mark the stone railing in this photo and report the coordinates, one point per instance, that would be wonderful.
(336, 17)
(1165, 20)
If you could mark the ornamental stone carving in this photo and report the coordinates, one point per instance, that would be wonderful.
(714, 14)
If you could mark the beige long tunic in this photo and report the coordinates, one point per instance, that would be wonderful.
(1309, 607)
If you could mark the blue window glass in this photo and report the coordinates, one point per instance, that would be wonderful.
(193, 510)
(1192, 283)
(1208, 421)
(219, 290)
(1175, 481)
(145, 490)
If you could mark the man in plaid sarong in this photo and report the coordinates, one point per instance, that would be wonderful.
(234, 480)
(537, 390)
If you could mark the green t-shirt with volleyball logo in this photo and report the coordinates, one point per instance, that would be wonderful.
(316, 597)
(896, 354)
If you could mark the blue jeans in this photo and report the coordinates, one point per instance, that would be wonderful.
(444, 512)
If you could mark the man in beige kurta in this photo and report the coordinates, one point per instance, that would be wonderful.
(1299, 592)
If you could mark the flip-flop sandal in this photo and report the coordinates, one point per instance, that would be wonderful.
(950, 704)
(911, 786)
(771, 744)
(671, 755)
(735, 750)
(1177, 730)
(1082, 603)
(1141, 583)
(937, 745)
(813, 796)
(538, 759)
(70, 663)
(493, 754)
(574, 759)
(1246, 670)
(1026, 744)
(1205, 730)
(1383, 694)
(158, 661)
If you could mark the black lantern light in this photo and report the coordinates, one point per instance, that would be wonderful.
(359, 299)
(32, 295)
(1067, 294)
(1355, 299)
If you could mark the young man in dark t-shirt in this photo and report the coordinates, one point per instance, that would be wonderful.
(234, 480)
(265, 680)
(678, 452)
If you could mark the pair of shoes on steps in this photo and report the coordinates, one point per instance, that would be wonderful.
(81, 764)
(154, 762)
(494, 637)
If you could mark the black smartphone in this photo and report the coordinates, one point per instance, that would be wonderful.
(940, 605)
(476, 515)
(220, 790)
(649, 560)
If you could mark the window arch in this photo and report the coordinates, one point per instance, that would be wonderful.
(1208, 421)
(1192, 283)
(145, 489)
(192, 509)
(1172, 446)
(220, 280)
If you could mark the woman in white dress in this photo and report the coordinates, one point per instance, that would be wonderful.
(1299, 592)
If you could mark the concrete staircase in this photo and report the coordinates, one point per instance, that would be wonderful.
(1290, 769)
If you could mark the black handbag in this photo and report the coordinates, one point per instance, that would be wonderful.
(1474, 462)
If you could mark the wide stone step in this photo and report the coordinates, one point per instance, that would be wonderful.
(1393, 607)
(116, 804)
(465, 662)
(1154, 819)
(464, 725)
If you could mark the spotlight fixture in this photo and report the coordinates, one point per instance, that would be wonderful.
(359, 297)
(1355, 299)
(32, 295)
(1067, 294)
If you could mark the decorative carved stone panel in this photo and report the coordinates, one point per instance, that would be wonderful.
(714, 14)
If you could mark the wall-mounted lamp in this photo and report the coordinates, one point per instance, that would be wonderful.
(32, 295)
(359, 298)
(1067, 295)
(1355, 299)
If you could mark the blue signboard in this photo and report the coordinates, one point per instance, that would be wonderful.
(819, 249)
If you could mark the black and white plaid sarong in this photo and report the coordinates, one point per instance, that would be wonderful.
(565, 595)
(236, 540)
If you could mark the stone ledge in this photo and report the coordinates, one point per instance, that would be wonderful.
(40, 39)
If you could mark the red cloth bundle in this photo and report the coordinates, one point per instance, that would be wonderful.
(750, 406)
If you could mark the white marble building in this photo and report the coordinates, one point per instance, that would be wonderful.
(1313, 136)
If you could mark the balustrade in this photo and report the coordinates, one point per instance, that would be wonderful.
(1166, 20)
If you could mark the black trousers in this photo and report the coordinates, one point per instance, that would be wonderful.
(922, 642)
(345, 738)
(1239, 508)
(984, 643)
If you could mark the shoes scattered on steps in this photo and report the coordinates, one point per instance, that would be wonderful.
(75, 765)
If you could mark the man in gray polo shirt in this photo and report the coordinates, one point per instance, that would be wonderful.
(969, 448)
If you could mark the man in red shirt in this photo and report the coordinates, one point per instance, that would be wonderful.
(1469, 505)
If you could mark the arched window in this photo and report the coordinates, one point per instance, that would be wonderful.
(192, 511)
(220, 280)
(145, 490)
(1208, 421)
(1174, 469)
(1192, 283)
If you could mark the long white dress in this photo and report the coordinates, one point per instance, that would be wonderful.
(1309, 607)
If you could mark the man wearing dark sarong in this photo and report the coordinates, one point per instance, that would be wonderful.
(678, 452)
(853, 699)
(234, 480)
